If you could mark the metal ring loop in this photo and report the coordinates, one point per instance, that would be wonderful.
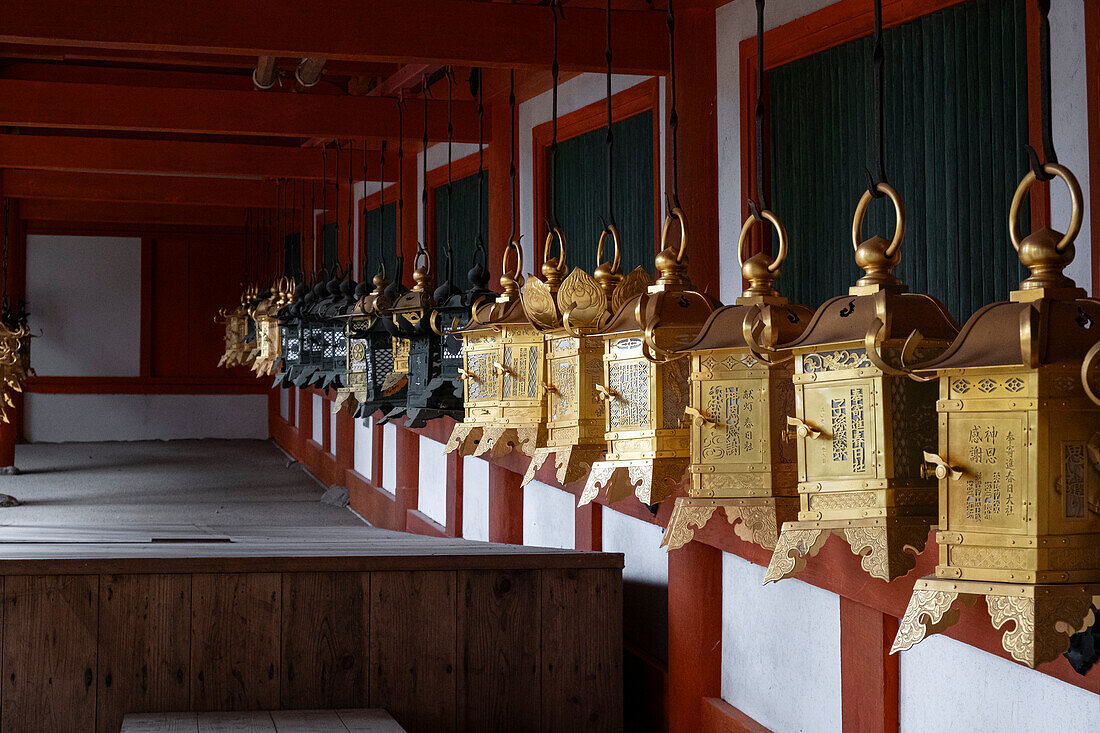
(677, 213)
(1076, 215)
(899, 213)
(427, 260)
(780, 230)
(555, 232)
(615, 262)
(512, 246)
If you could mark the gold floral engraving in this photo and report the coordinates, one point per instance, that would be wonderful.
(929, 612)
(791, 550)
(757, 523)
(580, 296)
(636, 282)
(832, 361)
(679, 531)
(538, 303)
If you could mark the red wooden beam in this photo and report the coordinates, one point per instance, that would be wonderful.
(220, 111)
(868, 672)
(38, 211)
(239, 193)
(403, 31)
(59, 153)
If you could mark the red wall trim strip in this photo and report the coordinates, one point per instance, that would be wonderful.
(145, 385)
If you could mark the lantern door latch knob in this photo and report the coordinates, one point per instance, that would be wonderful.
(699, 416)
(501, 369)
(606, 393)
(551, 388)
(465, 375)
(797, 427)
(936, 466)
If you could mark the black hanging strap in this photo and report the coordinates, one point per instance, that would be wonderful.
(555, 12)
(878, 63)
(479, 243)
(673, 117)
(382, 215)
(420, 249)
(610, 141)
(512, 149)
(761, 198)
(448, 252)
(400, 188)
(1049, 153)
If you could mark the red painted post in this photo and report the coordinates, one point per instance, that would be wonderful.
(454, 494)
(588, 527)
(868, 672)
(694, 633)
(408, 475)
(345, 441)
(505, 505)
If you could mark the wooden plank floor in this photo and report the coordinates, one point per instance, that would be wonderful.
(272, 721)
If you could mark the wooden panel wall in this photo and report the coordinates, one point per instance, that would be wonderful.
(476, 650)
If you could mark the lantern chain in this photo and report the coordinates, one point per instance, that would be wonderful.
(1049, 153)
(610, 140)
(673, 117)
(448, 252)
(878, 63)
(761, 202)
(479, 243)
(555, 11)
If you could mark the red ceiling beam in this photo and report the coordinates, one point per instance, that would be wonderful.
(65, 185)
(121, 155)
(39, 212)
(221, 112)
(403, 31)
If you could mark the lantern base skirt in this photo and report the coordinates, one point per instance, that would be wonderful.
(418, 417)
(887, 546)
(652, 480)
(572, 462)
(1043, 616)
(1005, 558)
(464, 438)
(499, 440)
(756, 520)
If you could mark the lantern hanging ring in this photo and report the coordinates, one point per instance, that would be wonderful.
(899, 214)
(760, 336)
(1089, 367)
(781, 230)
(513, 246)
(555, 233)
(1053, 170)
(617, 257)
(675, 212)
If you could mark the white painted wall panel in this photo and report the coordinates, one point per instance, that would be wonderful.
(549, 516)
(475, 499)
(948, 685)
(284, 403)
(432, 497)
(326, 405)
(63, 417)
(297, 409)
(317, 405)
(389, 457)
(84, 295)
(645, 580)
(364, 447)
(780, 650)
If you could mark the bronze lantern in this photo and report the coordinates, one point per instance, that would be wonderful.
(861, 424)
(1018, 462)
(370, 353)
(239, 350)
(645, 384)
(482, 351)
(569, 312)
(269, 344)
(741, 457)
(15, 355)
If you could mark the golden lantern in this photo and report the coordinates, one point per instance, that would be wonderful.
(1019, 457)
(239, 349)
(268, 336)
(482, 356)
(568, 312)
(741, 457)
(861, 424)
(645, 384)
(15, 357)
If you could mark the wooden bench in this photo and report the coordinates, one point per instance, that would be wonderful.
(373, 720)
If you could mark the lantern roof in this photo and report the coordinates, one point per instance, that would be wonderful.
(725, 328)
(850, 318)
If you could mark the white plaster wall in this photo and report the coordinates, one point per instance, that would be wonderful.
(432, 497)
(475, 499)
(84, 295)
(1069, 119)
(780, 650)
(284, 403)
(549, 516)
(326, 405)
(297, 410)
(389, 457)
(736, 21)
(948, 685)
(95, 417)
(645, 580)
(318, 405)
(363, 456)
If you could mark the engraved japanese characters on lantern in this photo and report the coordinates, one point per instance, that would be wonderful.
(1018, 460)
(569, 312)
(861, 424)
(741, 457)
(645, 384)
(482, 351)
